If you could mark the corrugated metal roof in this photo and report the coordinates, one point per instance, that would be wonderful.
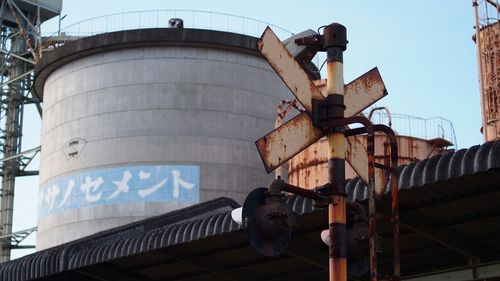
(212, 219)
(477, 159)
(206, 219)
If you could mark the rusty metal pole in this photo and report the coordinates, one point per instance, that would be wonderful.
(335, 40)
(480, 71)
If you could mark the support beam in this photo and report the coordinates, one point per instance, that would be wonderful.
(494, 4)
(209, 266)
(17, 56)
(451, 241)
(14, 79)
(14, 247)
(308, 254)
(456, 198)
(105, 274)
(456, 244)
(34, 150)
(309, 275)
(476, 272)
(482, 244)
(27, 173)
(16, 88)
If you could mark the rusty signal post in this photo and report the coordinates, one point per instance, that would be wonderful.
(328, 113)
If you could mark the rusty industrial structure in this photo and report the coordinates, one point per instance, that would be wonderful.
(309, 168)
(328, 112)
(448, 217)
(357, 196)
(487, 39)
(418, 139)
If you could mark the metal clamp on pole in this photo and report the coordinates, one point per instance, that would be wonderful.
(326, 110)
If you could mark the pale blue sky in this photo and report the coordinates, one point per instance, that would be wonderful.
(423, 50)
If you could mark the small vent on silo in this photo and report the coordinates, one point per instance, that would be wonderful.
(175, 23)
(74, 147)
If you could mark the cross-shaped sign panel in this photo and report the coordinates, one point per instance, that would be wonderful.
(283, 143)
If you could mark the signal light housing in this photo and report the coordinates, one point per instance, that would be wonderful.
(267, 222)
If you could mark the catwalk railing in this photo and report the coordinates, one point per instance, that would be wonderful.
(160, 19)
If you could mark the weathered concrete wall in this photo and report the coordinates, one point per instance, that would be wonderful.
(196, 106)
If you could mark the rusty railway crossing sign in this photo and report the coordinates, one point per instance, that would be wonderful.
(328, 112)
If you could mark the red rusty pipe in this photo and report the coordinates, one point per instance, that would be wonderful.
(381, 108)
(394, 191)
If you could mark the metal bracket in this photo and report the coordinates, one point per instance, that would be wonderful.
(314, 40)
(327, 110)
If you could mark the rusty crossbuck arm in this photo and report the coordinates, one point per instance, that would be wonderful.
(283, 143)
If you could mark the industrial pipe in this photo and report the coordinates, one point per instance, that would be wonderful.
(394, 191)
(381, 108)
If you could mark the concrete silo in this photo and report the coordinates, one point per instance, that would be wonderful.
(141, 122)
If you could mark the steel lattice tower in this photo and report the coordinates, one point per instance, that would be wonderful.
(20, 49)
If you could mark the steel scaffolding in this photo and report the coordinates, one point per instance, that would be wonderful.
(20, 49)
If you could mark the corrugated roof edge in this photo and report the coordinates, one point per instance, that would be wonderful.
(214, 218)
(477, 159)
(179, 226)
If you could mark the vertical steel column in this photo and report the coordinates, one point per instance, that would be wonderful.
(13, 119)
(335, 40)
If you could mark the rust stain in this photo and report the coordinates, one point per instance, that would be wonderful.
(288, 69)
(281, 144)
(364, 91)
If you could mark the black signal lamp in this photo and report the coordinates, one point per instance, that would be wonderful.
(267, 221)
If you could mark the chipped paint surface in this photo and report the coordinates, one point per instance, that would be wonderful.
(357, 157)
(310, 167)
(283, 143)
(363, 92)
(288, 69)
(297, 134)
(360, 93)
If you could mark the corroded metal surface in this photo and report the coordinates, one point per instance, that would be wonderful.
(288, 69)
(283, 143)
(490, 63)
(271, 152)
(370, 166)
(363, 92)
(443, 176)
(476, 159)
(287, 141)
(308, 168)
(357, 157)
(335, 41)
(284, 107)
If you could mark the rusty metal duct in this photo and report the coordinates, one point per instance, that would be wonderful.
(487, 38)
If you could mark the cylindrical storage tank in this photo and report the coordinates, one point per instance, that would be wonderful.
(309, 168)
(490, 57)
(138, 123)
